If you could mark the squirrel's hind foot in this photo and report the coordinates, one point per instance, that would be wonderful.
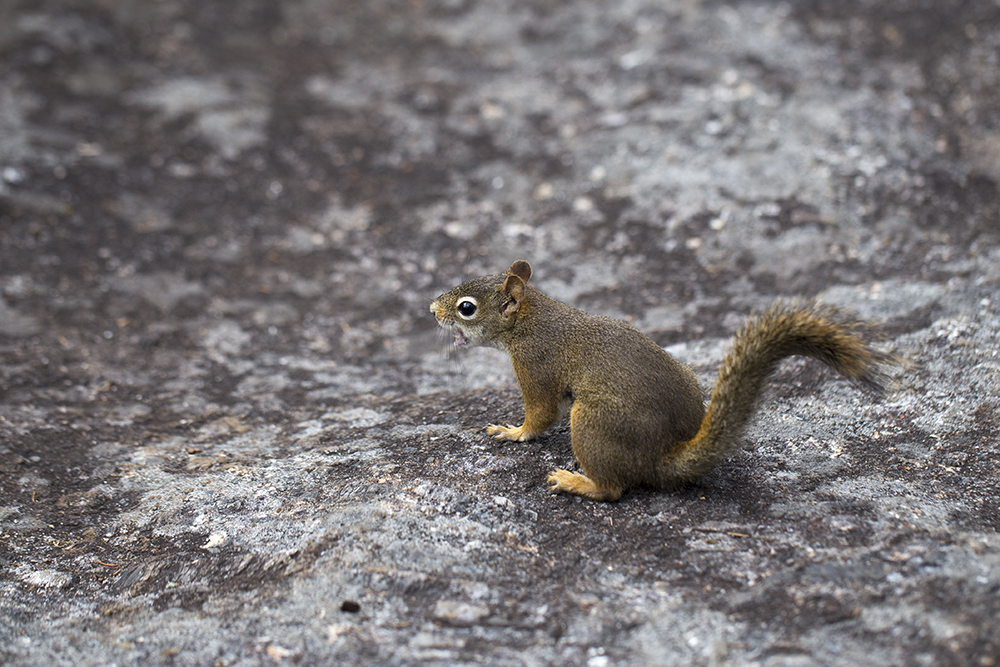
(509, 432)
(581, 485)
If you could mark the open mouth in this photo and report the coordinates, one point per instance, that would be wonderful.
(461, 340)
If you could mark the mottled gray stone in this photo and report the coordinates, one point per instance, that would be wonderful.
(232, 434)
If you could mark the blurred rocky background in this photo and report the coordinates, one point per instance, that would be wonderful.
(231, 433)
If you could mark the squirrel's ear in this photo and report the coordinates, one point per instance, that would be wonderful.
(521, 269)
(514, 288)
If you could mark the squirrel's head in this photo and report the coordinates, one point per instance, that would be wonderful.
(480, 311)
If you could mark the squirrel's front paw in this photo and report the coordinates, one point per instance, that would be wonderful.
(508, 432)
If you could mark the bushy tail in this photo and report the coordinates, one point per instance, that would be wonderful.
(782, 331)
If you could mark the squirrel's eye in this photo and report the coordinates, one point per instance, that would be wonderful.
(467, 307)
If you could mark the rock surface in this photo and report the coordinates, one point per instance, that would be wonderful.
(231, 434)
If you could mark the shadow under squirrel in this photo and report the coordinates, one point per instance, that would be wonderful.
(637, 417)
